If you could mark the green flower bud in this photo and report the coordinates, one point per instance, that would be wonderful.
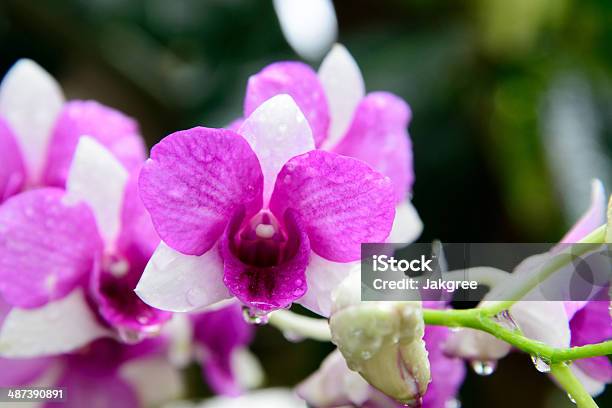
(382, 341)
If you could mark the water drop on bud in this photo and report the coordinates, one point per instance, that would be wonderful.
(484, 368)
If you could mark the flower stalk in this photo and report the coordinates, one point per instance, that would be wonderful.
(568, 381)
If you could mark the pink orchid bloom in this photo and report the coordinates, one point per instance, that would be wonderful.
(344, 120)
(557, 323)
(79, 253)
(242, 214)
(39, 130)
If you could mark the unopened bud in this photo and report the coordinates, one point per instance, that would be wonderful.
(382, 341)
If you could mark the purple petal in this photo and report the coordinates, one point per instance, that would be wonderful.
(87, 389)
(592, 324)
(267, 287)
(12, 170)
(194, 182)
(447, 373)
(94, 375)
(115, 131)
(342, 202)
(50, 242)
(221, 332)
(378, 136)
(301, 83)
(17, 371)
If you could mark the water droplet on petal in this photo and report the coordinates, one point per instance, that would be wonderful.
(540, 364)
(484, 367)
(130, 336)
(194, 295)
(254, 316)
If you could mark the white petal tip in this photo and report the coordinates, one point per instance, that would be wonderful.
(310, 27)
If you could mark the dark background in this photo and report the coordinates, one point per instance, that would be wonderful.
(512, 105)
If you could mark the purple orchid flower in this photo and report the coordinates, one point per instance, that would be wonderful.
(370, 128)
(241, 214)
(79, 253)
(344, 120)
(334, 384)
(559, 324)
(39, 131)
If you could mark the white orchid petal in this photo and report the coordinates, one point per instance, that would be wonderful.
(247, 368)
(154, 379)
(407, 225)
(58, 327)
(310, 27)
(263, 398)
(276, 131)
(98, 178)
(30, 100)
(322, 277)
(182, 283)
(334, 383)
(344, 88)
(179, 331)
(544, 321)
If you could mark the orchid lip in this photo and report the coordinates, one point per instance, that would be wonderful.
(262, 242)
(264, 260)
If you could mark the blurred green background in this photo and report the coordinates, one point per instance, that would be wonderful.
(512, 104)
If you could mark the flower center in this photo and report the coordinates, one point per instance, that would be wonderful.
(262, 241)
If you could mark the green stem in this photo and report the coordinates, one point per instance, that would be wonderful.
(566, 379)
(479, 320)
(302, 326)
